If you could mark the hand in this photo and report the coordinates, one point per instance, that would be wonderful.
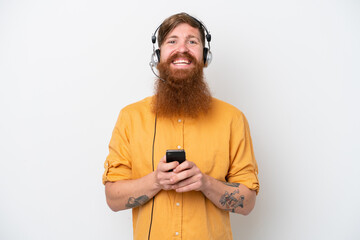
(188, 177)
(162, 174)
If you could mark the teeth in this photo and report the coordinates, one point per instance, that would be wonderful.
(181, 62)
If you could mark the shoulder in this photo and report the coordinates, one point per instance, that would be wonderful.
(231, 116)
(141, 107)
(226, 109)
(136, 112)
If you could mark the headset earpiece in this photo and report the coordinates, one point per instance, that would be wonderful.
(155, 58)
(207, 57)
(205, 53)
(157, 53)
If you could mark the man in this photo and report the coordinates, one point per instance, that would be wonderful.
(191, 200)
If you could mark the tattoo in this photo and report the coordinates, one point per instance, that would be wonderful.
(231, 184)
(231, 202)
(135, 202)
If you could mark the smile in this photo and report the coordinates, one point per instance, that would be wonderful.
(181, 62)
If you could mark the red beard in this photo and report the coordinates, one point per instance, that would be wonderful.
(184, 92)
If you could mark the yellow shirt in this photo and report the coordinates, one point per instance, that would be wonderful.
(219, 143)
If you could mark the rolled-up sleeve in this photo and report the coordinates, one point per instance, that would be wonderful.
(118, 162)
(243, 166)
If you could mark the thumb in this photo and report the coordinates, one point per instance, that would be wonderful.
(163, 159)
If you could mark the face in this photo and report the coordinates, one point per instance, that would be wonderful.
(183, 39)
(181, 64)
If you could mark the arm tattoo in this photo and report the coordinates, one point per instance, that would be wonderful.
(231, 184)
(135, 202)
(230, 202)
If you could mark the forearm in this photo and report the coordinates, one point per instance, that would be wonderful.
(232, 197)
(126, 194)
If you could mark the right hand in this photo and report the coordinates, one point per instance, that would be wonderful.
(162, 174)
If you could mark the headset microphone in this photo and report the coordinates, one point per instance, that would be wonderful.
(152, 69)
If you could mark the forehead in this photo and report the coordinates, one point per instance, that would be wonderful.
(184, 30)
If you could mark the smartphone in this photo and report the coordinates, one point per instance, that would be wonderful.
(175, 155)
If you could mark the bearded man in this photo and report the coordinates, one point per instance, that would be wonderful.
(191, 200)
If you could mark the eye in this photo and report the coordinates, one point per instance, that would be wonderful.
(171, 41)
(193, 42)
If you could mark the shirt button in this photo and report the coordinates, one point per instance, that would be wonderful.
(176, 233)
(179, 147)
(179, 120)
(177, 204)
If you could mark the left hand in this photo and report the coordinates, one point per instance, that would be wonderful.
(188, 177)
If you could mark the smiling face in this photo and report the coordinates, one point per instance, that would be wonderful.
(181, 46)
(181, 89)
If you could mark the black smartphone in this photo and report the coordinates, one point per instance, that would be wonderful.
(175, 155)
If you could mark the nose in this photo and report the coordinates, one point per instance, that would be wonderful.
(182, 48)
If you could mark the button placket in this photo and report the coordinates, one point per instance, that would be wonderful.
(180, 129)
(178, 206)
(178, 215)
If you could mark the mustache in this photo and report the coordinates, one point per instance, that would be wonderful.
(183, 55)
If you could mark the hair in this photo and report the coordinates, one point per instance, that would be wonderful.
(173, 21)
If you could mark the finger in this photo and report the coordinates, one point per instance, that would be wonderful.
(163, 159)
(183, 166)
(167, 187)
(161, 162)
(184, 183)
(165, 167)
(162, 176)
(191, 187)
(178, 177)
(165, 182)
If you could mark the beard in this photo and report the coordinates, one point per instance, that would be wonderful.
(184, 91)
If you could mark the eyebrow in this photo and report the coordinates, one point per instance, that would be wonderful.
(187, 37)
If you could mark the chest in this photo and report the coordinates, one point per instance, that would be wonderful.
(206, 143)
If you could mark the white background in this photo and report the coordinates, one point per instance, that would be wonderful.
(68, 67)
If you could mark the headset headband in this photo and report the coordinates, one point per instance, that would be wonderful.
(207, 35)
(207, 55)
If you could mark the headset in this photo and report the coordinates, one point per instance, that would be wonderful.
(207, 55)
